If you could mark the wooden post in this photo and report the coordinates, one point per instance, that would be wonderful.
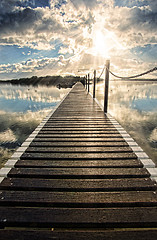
(106, 85)
(94, 86)
(88, 82)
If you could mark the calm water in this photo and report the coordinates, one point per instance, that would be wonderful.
(21, 110)
(134, 106)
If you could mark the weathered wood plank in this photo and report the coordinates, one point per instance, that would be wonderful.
(66, 114)
(74, 149)
(79, 172)
(77, 125)
(78, 199)
(78, 144)
(79, 234)
(81, 156)
(133, 163)
(81, 217)
(77, 121)
(80, 134)
(82, 118)
(78, 139)
(85, 185)
(78, 130)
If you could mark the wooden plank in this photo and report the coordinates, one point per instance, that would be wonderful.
(79, 172)
(78, 144)
(82, 121)
(78, 139)
(78, 114)
(63, 132)
(86, 109)
(79, 133)
(93, 185)
(77, 125)
(80, 118)
(74, 149)
(134, 163)
(80, 217)
(49, 127)
(79, 234)
(117, 135)
(78, 156)
(81, 130)
(79, 199)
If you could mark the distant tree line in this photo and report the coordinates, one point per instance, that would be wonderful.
(58, 81)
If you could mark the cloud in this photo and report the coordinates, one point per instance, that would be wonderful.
(18, 21)
(68, 27)
(7, 136)
(43, 66)
(138, 27)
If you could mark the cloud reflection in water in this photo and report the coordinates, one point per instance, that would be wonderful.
(22, 108)
(134, 105)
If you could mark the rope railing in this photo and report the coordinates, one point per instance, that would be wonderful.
(102, 71)
(107, 68)
(135, 76)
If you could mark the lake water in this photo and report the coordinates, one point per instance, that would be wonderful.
(133, 104)
(22, 108)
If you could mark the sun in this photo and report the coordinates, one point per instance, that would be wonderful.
(100, 44)
(104, 41)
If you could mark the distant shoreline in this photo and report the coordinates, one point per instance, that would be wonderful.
(63, 82)
(57, 81)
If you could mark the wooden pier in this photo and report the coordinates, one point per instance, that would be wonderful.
(78, 176)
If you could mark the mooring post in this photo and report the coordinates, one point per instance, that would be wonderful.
(94, 86)
(88, 82)
(106, 85)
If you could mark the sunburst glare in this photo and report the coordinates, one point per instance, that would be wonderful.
(100, 44)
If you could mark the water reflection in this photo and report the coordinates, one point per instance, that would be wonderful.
(134, 105)
(21, 110)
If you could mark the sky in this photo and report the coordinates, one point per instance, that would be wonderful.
(64, 37)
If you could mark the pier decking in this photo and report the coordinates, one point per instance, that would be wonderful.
(78, 176)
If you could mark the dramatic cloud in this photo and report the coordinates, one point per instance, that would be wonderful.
(74, 29)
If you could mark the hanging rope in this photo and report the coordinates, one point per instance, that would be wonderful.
(135, 76)
(102, 71)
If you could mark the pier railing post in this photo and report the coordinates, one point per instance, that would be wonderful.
(88, 82)
(94, 86)
(106, 85)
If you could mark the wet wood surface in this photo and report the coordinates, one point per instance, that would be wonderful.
(78, 179)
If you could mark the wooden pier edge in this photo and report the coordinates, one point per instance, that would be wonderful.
(78, 175)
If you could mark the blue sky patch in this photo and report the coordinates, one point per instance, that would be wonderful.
(60, 3)
(146, 53)
(34, 3)
(130, 4)
(8, 53)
